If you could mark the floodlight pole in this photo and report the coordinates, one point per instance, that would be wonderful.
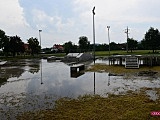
(40, 37)
(108, 27)
(40, 50)
(93, 34)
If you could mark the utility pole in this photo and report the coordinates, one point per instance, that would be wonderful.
(127, 32)
(93, 34)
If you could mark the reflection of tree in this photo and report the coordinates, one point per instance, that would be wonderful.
(9, 73)
(16, 69)
(34, 66)
(12, 72)
(3, 81)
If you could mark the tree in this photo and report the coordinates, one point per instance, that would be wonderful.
(16, 45)
(6, 45)
(69, 47)
(83, 43)
(34, 45)
(152, 39)
(2, 36)
(132, 44)
(113, 46)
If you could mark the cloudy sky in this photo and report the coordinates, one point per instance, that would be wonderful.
(66, 20)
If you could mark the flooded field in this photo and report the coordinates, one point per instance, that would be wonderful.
(35, 84)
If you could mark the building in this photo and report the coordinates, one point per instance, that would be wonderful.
(58, 48)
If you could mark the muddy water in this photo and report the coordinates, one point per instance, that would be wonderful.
(35, 84)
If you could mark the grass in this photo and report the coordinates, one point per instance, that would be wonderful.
(122, 52)
(31, 57)
(121, 69)
(132, 106)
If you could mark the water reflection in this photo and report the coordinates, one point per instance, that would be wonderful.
(76, 74)
(15, 69)
(109, 79)
(60, 82)
(41, 73)
(94, 76)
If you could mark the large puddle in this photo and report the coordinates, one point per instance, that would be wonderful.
(29, 85)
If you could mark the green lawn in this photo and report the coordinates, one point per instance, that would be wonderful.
(122, 52)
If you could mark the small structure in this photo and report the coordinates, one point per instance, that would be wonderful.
(131, 62)
(134, 60)
(78, 57)
(51, 58)
(77, 70)
(2, 62)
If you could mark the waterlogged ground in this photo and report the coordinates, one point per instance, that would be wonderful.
(27, 85)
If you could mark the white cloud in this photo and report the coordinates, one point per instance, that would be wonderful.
(61, 26)
(11, 16)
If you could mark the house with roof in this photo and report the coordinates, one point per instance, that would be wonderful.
(58, 48)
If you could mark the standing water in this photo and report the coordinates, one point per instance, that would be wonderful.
(34, 84)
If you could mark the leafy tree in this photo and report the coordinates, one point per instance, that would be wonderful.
(132, 44)
(34, 45)
(113, 46)
(83, 43)
(152, 39)
(69, 47)
(102, 47)
(16, 45)
(6, 45)
(2, 36)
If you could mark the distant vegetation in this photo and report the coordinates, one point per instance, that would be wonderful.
(14, 46)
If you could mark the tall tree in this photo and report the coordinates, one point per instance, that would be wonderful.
(83, 43)
(6, 45)
(2, 36)
(16, 45)
(132, 44)
(34, 45)
(152, 39)
(69, 47)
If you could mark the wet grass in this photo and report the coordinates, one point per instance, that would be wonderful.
(123, 52)
(121, 69)
(132, 106)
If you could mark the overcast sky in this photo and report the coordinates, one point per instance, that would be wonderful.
(66, 20)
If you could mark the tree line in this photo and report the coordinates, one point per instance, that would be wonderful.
(151, 41)
(13, 45)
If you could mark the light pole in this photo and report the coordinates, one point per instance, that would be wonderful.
(40, 37)
(40, 50)
(108, 27)
(93, 34)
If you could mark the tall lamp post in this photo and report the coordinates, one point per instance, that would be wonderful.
(40, 37)
(108, 27)
(40, 50)
(93, 34)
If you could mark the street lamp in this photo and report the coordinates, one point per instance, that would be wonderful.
(108, 27)
(41, 60)
(93, 34)
(40, 37)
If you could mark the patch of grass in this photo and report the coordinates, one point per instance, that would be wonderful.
(132, 106)
(120, 69)
(123, 52)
